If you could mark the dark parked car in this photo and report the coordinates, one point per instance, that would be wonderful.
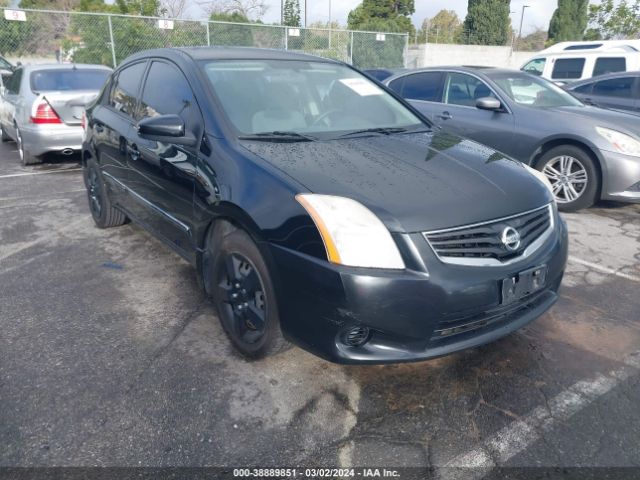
(586, 152)
(620, 91)
(381, 74)
(316, 206)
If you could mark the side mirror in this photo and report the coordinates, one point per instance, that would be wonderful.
(488, 103)
(166, 128)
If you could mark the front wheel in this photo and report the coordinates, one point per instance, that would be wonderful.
(573, 175)
(245, 297)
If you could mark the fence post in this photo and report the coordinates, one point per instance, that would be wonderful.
(406, 51)
(351, 49)
(208, 36)
(113, 46)
(286, 38)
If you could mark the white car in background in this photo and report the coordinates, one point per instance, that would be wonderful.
(572, 61)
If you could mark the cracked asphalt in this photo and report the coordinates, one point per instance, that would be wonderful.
(110, 355)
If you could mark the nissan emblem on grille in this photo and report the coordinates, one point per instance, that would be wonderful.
(510, 238)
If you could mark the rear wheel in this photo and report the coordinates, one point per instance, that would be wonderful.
(573, 175)
(244, 295)
(104, 214)
(3, 135)
(25, 157)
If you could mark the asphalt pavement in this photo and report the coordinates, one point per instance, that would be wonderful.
(110, 355)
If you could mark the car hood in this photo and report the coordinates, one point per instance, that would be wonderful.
(616, 119)
(413, 182)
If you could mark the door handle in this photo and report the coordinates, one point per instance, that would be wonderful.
(134, 153)
(445, 116)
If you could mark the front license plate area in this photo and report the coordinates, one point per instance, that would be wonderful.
(523, 284)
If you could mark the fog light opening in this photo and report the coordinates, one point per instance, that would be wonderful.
(356, 336)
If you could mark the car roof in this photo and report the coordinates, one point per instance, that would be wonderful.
(230, 53)
(63, 66)
(599, 78)
(473, 69)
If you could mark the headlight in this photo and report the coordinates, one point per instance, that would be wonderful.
(622, 142)
(351, 233)
(540, 176)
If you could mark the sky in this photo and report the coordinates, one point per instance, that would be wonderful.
(536, 16)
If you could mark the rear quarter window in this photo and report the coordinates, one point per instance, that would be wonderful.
(568, 68)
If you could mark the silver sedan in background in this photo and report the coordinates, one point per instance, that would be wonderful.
(42, 107)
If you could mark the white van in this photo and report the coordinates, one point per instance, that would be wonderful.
(571, 61)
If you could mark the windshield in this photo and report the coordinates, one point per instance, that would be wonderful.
(534, 92)
(68, 79)
(313, 98)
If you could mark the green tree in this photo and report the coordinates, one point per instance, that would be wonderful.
(231, 35)
(444, 27)
(533, 42)
(291, 13)
(610, 21)
(487, 23)
(569, 21)
(370, 50)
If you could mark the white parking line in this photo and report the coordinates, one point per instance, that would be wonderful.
(600, 268)
(517, 436)
(26, 174)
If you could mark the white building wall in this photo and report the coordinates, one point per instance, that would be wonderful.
(433, 55)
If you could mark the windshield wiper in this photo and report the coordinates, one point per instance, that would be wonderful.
(383, 131)
(279, 135)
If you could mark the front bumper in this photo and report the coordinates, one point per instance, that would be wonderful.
(41, 139)
(622, 179)
(406, 312)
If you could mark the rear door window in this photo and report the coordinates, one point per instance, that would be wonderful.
(614, 87)
(568, 68)
(13, 84)
(123, 97)
(465, 90)
(424, 86)
(609, 65)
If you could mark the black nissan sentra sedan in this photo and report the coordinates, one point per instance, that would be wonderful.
(319, 207)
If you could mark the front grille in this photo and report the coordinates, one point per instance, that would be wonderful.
(490, 241)
(452, 330)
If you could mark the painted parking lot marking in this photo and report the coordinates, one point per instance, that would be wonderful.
(520, 434)
(600, 268)
(26, 174)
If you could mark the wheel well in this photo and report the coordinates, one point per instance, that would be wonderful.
(229, 224)
(86, 155)
(575, 143)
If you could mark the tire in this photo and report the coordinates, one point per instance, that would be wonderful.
(243, 293)
(25, 157)
(573, 175)
(3, 135)
(104, 214)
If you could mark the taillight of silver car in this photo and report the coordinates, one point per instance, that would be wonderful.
(42, 112)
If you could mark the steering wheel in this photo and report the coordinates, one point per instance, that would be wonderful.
(325, 116)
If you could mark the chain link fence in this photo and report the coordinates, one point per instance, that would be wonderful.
(46, 35)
